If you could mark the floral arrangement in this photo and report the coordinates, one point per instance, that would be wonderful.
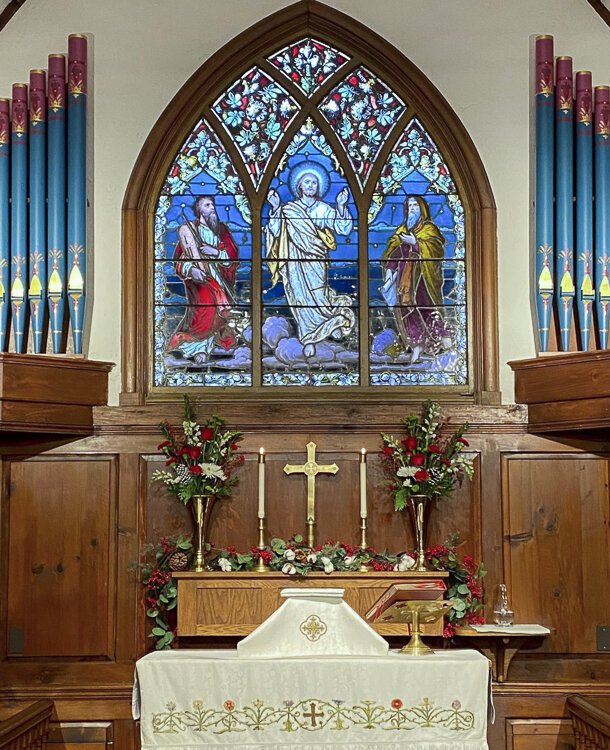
(425, 462)
(294, 557)
(202, 459)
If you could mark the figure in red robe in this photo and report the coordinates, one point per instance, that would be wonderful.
(208, 260)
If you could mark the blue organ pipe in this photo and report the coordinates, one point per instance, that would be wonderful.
(38, 209)
(19, 226)
(585, 291)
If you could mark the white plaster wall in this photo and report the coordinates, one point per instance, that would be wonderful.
(476, 53)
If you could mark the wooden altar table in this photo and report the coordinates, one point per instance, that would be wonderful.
(233, 604)
(210, 700)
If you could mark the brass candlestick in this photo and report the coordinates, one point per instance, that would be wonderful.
(363, 544)
(261, 566)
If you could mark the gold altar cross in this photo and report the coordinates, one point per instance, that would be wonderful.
(311, 469)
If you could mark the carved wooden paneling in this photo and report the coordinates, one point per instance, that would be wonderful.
(60, 562)
(557, 534)
(539, 734)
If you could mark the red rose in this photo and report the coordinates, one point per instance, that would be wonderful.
(446, 461)
(410, 443)
(387, 451)
(463, 442)
(207, 433)
(234, 446)
(434, 448)
(194, 451)
(421, 475)
(418, 459)
(195, 469)
(164, 444)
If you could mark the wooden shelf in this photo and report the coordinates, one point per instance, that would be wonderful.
(53, 395)
(568, 392)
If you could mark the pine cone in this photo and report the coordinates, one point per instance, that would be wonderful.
(300, 556)
(178, 561)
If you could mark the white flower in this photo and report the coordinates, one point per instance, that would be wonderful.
(405, 562)
(349, 560)
(406, 471)
(312, 557)
(289, 555)
(328, 566)
(212, 470)
(288, 569)
(225, 565)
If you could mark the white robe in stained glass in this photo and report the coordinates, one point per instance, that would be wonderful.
(299, 237)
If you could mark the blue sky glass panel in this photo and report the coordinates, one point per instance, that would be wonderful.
(310, 269)
(308, 63)
(417, 271)
(203, 270)
(362, 110)
(255, 111)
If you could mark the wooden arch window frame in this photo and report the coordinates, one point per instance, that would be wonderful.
(423, 101)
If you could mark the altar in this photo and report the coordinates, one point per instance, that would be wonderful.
(206, 700)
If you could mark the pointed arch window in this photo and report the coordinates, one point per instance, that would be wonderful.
(310, 231)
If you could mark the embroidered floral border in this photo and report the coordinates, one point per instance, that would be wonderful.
(311, 715)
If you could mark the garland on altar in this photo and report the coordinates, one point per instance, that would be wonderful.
(294, 557)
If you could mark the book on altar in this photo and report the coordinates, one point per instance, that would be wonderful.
(398, 592)
(312, 622)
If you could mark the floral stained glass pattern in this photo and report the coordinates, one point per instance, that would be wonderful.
(417, 271)
(308, 63)
(255, 111)
(362, 110)
(202, 274)
(310, 270)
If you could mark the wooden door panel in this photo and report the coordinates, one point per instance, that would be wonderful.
(60, 560)
(557, 536)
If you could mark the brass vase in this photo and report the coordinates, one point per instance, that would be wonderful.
(419, 507)
(201, 509)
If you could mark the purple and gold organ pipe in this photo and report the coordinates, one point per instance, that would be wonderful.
(77, 184)
(38, 209)
(602, 210)
(584, 206)
(564, 193)
(544, 98)
(56, 207)
(5, 237)
(19, 215)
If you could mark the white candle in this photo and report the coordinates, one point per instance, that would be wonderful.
(363, 483)
(261, 483)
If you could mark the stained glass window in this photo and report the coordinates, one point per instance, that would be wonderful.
(417, 275)
(310, 273)
(255, 110)
(203, 270)
(362, 111)
(308, 63)
(333, 279)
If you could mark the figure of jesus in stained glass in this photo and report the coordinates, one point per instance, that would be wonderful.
(413, 280)
(207, 263)
(299, 237)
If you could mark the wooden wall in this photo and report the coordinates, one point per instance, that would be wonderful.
(74, 517)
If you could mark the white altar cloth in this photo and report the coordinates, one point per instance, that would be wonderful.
(205, 700)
